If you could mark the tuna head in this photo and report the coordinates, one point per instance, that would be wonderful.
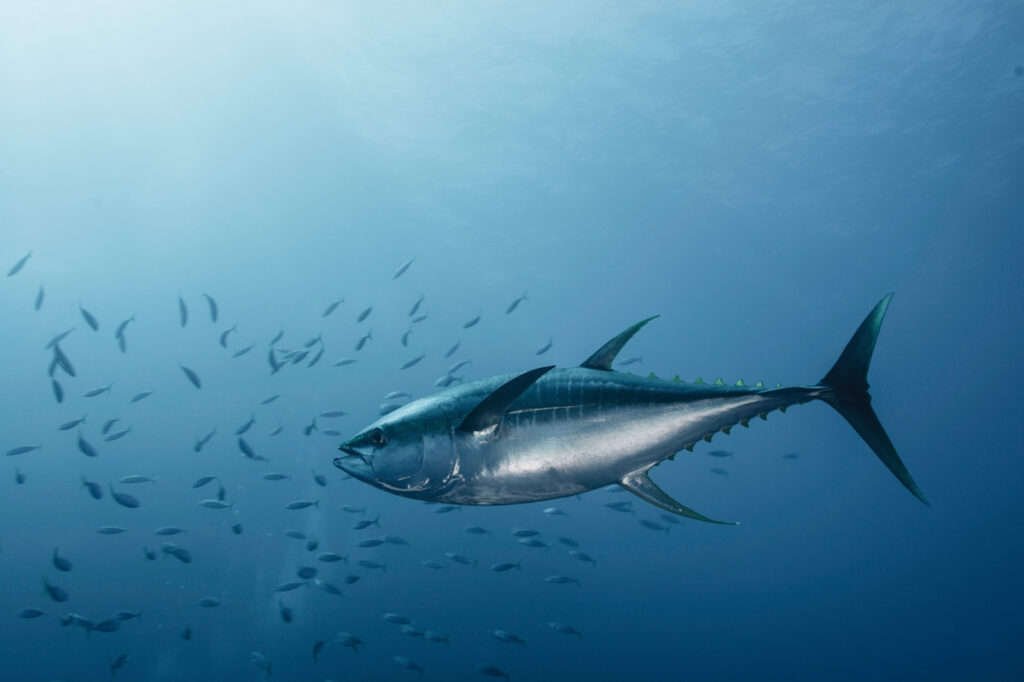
(408, 452)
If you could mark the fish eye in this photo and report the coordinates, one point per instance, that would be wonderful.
(378, 437)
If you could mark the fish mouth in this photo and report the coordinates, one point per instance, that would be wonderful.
(355, 463)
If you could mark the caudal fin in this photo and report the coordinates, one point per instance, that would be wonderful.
(848, 380)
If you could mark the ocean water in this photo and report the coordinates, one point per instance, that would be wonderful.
(759, 174)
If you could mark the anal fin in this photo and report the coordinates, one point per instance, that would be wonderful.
(641, 485)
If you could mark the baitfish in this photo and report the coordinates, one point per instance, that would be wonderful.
(550, 433)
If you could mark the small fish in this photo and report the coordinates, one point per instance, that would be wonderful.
(372, 542)
(182, 311)
(369, 563)
(277, 337)
(313, 341)
(128, 615)
(85, 447)
(720, 471)
(447, 380)
(330, 557)
(209, 602)
(320, 479)
(40, 295)
(303, 504)
(288, 587)
(306, 572)
(476, 530)
(416, 306)
(398, 273)
(186, 634)
(362, 341)
(569, 542)
(515, 304)
(246, 449)
(654, 525)
(109, 424)
(349, 640)
(203, 480)
(451, 351)
(327, 587)
(365, 314)
(119, 333)
(19, 477)
(141, 396)
(565, 629)
(630, 361)
(533, 542)
(226, 333)
(316, 358)
(546, 347)
(192, 376)
(624, 506)
(111, 530)
(397, 619)
(213, 307)
(260, 661)
(67, 426)
(352, 509)
(89, 318)
(22, 449)
(117, 663)
(123, 499)
(492, 671)
(214, 504)
(332, 414)
(430, 563)
(312, 544)
(506, 566)
(418, 319)
(16, 268)
(118, 435)
(671, 519)
(388, 408)
(286, 612)
(201, 442)
(317, 648)
(242, 351)
(136, 478)
(31, 613)
(272, 476)
(436, 637)
(331, 307)
(720, 453)
(56, 593)
(246, 426)
(410, 631)
(582, 556)
(415, 361)
(277, 430)
(404, 662)
(561, 580)
(472, 322)
(365, 523)
(296, 534)
(525, 532)
(95, 490)
(446, 509)
(109, 625)
(461, 559)
(405, 337)
(791, 455)
(98, 391)
(149, 554)
(60, 563)
(179, 553)
(170, 530)
(343, 362)
(458, 365)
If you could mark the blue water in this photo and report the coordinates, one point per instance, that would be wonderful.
(760, 174)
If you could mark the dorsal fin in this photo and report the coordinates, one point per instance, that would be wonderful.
(604, 356)
(488, 412)
(641, 485)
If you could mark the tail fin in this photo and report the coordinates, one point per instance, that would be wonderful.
(850, 397)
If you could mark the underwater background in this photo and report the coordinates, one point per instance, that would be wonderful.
(760, 174)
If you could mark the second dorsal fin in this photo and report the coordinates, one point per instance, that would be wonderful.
(604, 356)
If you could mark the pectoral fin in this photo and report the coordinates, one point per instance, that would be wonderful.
(641, 485)
(488, 412)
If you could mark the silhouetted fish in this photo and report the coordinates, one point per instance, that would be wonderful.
(141, 396)
(192, 376)
(415, 361)
(182, 311)
(451, 351)
(85, 447)
(123, 499)
(365, 314)
(16, 268)
(472, 322)
(21, 450)
(94, 489)
(89, 318)
(398, 273)
(362, 341)
(515, 304)
(225, 334)
(546, 347)
(331, 307)
(416, 306)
